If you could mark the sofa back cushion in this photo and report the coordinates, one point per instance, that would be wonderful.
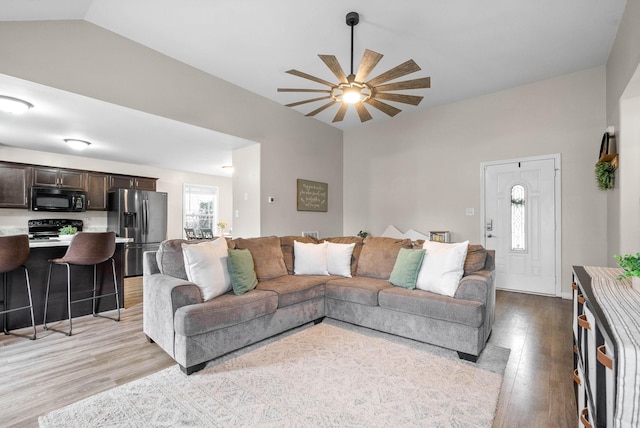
(476, 258)
(267, 256)
(170, 258)
(378, 256)
(286, 245)
(355, 255)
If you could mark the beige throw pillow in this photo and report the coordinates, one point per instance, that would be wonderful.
(206, 266)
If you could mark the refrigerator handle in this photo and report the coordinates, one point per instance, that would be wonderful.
(145, 217)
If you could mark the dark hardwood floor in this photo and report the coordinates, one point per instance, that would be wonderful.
(55, 370)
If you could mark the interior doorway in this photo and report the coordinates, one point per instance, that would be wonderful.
(521, 222)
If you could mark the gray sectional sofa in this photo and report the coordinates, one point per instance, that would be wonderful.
(194, 331)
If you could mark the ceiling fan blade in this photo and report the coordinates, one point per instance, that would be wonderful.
(334, 66)
(403, 69)
(324, 107)
(307, 101)
(369, 60)
(363, 112)
(310, 77)
(384, 107)
(422, 83)
(327, 91)
(341, 112)
(399, 98)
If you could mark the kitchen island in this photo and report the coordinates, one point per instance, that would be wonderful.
(81, 284)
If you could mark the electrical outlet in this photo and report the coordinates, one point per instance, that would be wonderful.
(471, 211)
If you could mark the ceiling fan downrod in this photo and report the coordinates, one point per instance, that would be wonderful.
(352, 20)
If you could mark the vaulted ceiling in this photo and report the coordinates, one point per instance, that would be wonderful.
(469, 48)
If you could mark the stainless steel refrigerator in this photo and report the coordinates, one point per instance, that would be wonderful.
(141, 215)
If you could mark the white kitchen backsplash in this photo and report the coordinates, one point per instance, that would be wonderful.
(14, 221)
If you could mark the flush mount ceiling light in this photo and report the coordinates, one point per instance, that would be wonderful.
(77, 144)
(356, 89)
(14, 105)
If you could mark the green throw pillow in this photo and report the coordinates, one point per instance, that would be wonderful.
(405, 271)
(243, 276)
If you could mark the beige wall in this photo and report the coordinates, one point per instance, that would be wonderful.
(169, 181)
(246, 192)
(422, 170)
(85, 59)
(623, 204)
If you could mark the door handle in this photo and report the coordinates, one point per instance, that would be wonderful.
(491, 236)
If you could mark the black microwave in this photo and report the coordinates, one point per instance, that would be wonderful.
(55, 199)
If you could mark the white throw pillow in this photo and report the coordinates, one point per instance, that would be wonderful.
(206, 266)
(442, 267)
(339, 258)
(310, 259)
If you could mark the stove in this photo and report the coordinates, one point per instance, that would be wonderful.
(48, 228)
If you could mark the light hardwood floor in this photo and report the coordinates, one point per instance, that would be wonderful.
(55, 370)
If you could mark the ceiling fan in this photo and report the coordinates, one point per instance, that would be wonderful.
(356, 89)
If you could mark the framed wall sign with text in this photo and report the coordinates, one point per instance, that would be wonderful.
(312, 195)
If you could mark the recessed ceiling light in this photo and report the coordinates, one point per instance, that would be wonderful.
(14, 105)
(77, 144)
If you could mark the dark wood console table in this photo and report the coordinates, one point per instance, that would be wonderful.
(606, 340)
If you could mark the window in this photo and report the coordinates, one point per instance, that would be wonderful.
(199, 207)
(518, 218)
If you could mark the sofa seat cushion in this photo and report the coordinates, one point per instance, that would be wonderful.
(431, 305)
(295, 289)
(357, 289)
(224, 311)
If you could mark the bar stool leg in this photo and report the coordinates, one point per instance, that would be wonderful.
(115, 284)
(46, 298)
(5, 279)
(33, 320)
(4, 302)
(94, 291)
(46, 301)
(69, 298)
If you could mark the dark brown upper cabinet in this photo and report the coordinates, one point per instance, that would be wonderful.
(62, 178)
(97, 191)
(129, 182)
(15, 181)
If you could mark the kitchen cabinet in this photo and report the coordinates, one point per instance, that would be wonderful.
(97, 191)
(129, 182)
(606, 344)
(55, 177)
(15, 181)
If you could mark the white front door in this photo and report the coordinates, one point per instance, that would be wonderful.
(519, 219)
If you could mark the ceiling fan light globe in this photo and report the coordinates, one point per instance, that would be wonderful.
(352, 96)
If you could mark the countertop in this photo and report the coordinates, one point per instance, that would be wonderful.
(55, 242)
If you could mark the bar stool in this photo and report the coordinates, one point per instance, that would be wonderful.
(86, 249)
(14, 252)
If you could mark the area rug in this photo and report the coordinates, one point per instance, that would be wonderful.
(328, 375)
